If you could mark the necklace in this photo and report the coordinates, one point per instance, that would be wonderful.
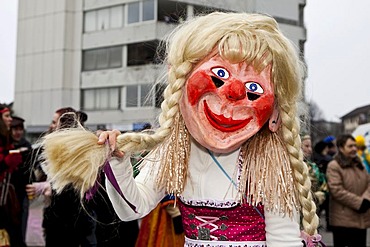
(231, 180)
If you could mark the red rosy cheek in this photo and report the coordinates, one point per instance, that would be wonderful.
(264, 110)
(197, 85)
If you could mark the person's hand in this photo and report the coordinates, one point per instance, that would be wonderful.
(365, 205)
(111, 137)
(31, 191)
(37, 189)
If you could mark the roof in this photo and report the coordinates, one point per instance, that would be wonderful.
(357, 111)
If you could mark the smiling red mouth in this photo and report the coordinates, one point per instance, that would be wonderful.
(222, 123)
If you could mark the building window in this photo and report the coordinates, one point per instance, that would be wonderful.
(140, 11)
(103, 19)
(116, 17)
(139, 96)
(171, 12)
(301, 15)
(101, 98)
(141, 53)
(90, 21)
(103, 58)
(148, 10)
(133, 12)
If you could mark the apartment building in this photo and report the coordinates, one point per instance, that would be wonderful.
(100, 55)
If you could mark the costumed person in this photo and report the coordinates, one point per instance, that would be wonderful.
(363, 152)
(10, 207)
(227, 145)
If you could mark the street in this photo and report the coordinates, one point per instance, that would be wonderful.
(327, 237)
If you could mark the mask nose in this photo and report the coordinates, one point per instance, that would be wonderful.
(235, 91)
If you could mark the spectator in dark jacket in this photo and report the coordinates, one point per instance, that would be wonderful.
(21, 177)
(320, 155)
(321, 158)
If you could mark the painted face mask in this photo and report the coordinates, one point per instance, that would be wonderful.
(224, 104)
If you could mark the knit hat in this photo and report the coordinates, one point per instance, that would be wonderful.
(329, 139)
(17, 122)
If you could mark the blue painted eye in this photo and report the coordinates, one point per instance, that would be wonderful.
(221, 72)
(254, 87)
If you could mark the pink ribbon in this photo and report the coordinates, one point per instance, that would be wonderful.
(312, 240)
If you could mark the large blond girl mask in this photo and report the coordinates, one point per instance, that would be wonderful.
(224, 104)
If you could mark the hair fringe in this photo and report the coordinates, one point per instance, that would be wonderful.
(267, 178)
(73, 156)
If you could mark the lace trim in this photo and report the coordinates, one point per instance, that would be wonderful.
(210, 203)
(204, 243)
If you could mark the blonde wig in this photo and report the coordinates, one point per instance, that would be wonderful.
(236, 37)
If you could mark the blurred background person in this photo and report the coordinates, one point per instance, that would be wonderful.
(332, 147)
(22, 176)
(67, 221)
(18, 132)
(349, 190)
(318, 180)
(10, 160)
(82, 117)
(321, 156)
(363, 152)
(322, 159)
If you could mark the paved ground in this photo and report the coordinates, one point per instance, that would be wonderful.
(328, 236)
(36, 239)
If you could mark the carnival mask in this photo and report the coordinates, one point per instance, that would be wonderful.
(224, 104)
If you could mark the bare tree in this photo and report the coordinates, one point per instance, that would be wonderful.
(316, 114)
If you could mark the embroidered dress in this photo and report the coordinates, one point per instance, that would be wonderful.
(240, 223)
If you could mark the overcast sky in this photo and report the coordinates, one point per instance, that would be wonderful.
(337, 53)
(8, 32)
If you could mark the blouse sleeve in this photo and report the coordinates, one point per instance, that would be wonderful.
(139, 196)
(282, 231)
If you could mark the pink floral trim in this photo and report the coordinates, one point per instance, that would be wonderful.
(312, 241)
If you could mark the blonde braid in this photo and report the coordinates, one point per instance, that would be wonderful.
(131, 142)
(290, 130)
